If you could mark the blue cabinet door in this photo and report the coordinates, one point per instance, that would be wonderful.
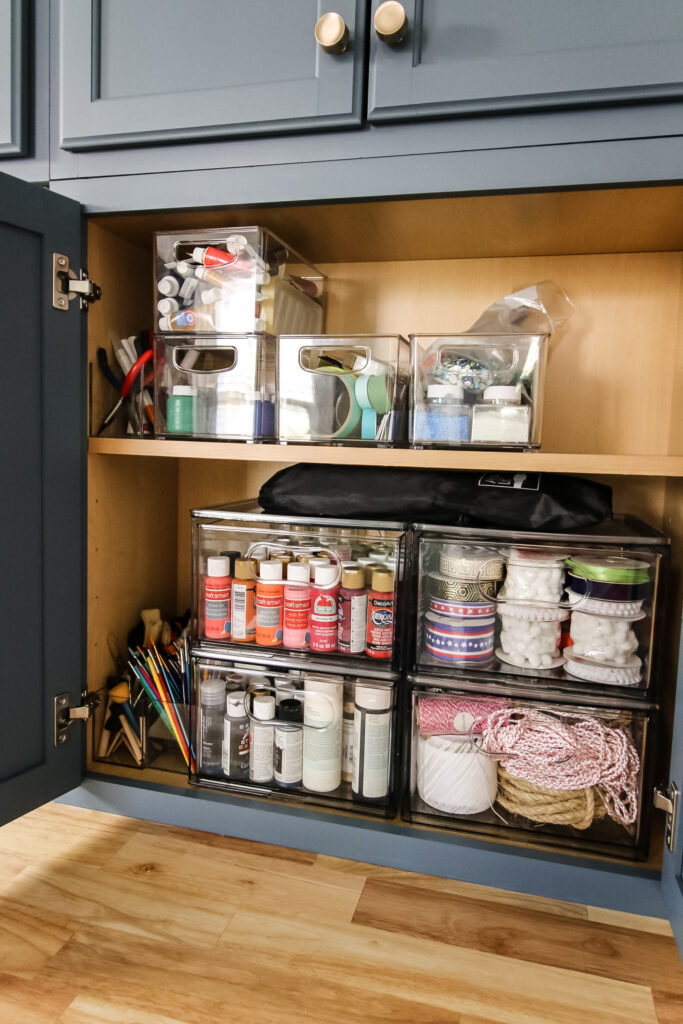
(480, 56)
(13, 77)
(42, 462)
(134, 73)
(672, 868)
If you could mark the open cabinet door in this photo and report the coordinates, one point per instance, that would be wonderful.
(42, 427)
(672, 869)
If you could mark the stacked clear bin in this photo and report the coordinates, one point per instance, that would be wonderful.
(343, 389)
(477, 391)
(284, 733)
(221, 295)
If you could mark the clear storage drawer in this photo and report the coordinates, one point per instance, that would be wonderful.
(560, 774)
(350, 389)
(239, 280)
(217, 388)
(311, 737)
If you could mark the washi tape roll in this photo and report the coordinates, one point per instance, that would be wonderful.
(368, 425)
(447, 588)
(470, 563)
(461, 609)
(459, 641)
(339, 396)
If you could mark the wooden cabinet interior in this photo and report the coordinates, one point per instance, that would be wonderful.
(612, 406)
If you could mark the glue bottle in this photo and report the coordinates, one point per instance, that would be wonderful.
(269, 600)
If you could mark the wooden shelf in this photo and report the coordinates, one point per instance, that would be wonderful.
(535, 462)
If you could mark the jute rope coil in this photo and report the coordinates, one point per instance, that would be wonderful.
(578, 807)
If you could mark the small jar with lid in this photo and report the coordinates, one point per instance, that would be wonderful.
(180, 409)
(502, 417)
(445, 418)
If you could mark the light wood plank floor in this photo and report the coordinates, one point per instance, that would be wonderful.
(104, 920)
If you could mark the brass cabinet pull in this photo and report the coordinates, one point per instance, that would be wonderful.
(391, 23)
(331, 33)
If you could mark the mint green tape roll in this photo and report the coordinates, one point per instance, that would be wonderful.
(378, 393)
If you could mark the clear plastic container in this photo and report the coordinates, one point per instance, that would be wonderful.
(343, 389)
(239, 280)
(498, 384)
(218, 388)
(500, 764)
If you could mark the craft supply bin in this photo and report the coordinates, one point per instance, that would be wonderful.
(469, 391)
(234, 280)
(215, 388)
(251, 611)
(316, 764)
(539, 609)
(343, 389)
(500, 764)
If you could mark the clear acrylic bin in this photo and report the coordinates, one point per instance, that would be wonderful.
(325, 591)
(554, 774)
(140, 733)
(240, 280)
(295, 735)
(343, 389)
(477, 392)
(215, 388)
(582, 612)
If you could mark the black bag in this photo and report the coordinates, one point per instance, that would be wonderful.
(512, 501)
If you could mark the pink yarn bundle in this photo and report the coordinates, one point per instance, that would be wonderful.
(438, 715)
(564, 751)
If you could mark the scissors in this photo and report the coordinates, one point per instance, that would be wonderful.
(130, 379)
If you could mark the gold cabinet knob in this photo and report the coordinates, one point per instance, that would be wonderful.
(331, 33)
(391, 23)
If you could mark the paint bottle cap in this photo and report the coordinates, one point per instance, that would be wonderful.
(318, 560)
(299, 571)
(218, 566)
(184, 268)
(445, 391)
(167, 306)
(353, 577)
(245, 568)
(169, 285)
(291, 710)
(164, 323)
(374, 698)
(503, 393)
(383, 580)
(236, 244)
(325, 575)
(198, 254)
(263, 706)
(232, 555)
(271, 570)
(235, 706)
(183, 391)
(369, 568)
(212, 692)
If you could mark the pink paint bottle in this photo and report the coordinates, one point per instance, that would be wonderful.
(324, 607)
(353, 611)
(217, 599)
(297, 607)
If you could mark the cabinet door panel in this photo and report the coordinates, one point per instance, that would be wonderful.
(476, 56)
(42, 424)
(134, 73)
(13, 77)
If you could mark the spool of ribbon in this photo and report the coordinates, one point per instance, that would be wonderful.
(454, 776)
(446, 716)
(470, 591)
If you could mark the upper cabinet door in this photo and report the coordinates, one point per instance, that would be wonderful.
(480, 56)
(13, 77)
(42, 463)
(135, 73)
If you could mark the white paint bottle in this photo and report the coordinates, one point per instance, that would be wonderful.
(323, 711)
(371, 742)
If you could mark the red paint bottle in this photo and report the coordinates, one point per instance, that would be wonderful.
(381, 601)
(324, 609)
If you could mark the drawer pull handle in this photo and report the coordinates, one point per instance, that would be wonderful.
(331, 33)
(391, 23)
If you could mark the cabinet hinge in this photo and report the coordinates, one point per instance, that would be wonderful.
(65, 714)
(667, 801)
(67, 286)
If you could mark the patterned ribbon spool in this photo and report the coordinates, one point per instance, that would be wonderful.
(459, 640)
(468, 564)
(564, 751)
(469, 591)
(461, 610)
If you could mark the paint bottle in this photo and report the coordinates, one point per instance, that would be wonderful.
(236, 736)
(168, 306)
(347, 733)
(217, 586)
(196, 318)
(261, 738)
(371, 742)
(297, 607)
(180, 409)
(289, 744)
(285, 689)
(212, 257)
(269, 600)
(324, 595)
(169, 285)
(380, 632)
(323, 699)
(353, 611)
(211, 714)
(244, 601)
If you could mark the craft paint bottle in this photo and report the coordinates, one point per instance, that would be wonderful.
(289, 744)
(217, 599)
(212, 257)
(347, 733)
(197, 318)
(168, 306)
(297, 607)
(371, 742)
(369, 565)
(380, 632)
(324, 595)
(353, 611)
(269, 600)
(180, 408)
(244, 602)
(323, 699)
(261, 738)
(169, 285)
(211, 713)
(236, 736)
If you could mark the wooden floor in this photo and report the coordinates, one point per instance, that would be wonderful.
(104, 920)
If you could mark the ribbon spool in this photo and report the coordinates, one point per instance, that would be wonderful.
(459, 641)
(470, 563)
(454, 776)
(629, 674)
(449, 715)
(468, 591)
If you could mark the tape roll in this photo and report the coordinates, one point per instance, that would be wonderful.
(362, 396)
(368, 425)
(378, 393)
(339, 396)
